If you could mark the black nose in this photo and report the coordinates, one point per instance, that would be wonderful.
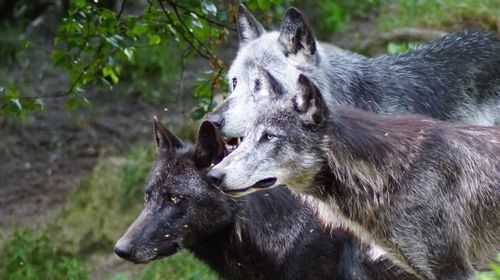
(216, 177)
(123, 250)
(216, 119)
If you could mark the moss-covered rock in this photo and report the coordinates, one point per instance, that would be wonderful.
(104, 204)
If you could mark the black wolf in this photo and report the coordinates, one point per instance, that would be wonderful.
(427, 192)
(456, 77)
(269, 235)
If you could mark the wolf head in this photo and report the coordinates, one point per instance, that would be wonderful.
(281, 147)
(179, 206)
(285, 54)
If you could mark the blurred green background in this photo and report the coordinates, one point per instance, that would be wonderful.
(80, 81)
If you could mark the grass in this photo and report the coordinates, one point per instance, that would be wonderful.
(182, 266)
(98, 212)
(329, 17)
(27, 254)
(441, 14)
(103, 205)
(133, 173)
(94, 217)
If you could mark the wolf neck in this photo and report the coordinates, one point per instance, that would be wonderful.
(367, 157)
(232, 250)
(340, 76)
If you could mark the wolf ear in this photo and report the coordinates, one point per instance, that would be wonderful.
(296, 35)
(209, 146)
(166, 141)
(275, 87)
(309, 103)
(248, 27)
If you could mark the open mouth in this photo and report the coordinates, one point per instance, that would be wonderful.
(262, 184)
(232, 143)
(265, 183)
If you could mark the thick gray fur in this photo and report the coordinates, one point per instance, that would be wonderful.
(426, 191)
(456, 77)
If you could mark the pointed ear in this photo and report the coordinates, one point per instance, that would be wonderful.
(296, 35)
(209, 146)
(248, 27)
(166, 141)
(275, 87)
(309, 103)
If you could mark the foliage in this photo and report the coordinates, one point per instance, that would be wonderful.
(182, 266)
(29, 255)
(442, 14)
(395, 48)
(105, 203)
(134, 172)
(97, 46)
(94, 216)
(155, 71)
(95, 43)
(11, 103)
(13, 49)
(331, 17)
(494, 274)
(13, 43)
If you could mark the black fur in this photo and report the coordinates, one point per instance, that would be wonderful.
(266, 235)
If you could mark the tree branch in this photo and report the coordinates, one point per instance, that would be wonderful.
(170, 20)
(122, 8)
(210, 55)
(214, 22)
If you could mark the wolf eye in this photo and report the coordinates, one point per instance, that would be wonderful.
(257, 85)
(147, 195)
(173, 198)
(267, 137)
(235, 82)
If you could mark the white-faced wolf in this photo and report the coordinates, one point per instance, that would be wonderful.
(426, 191)
(456, 77)
(267, 235)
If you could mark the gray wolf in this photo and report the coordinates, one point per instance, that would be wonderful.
(267, 235)
(427, 192)
(456, 77)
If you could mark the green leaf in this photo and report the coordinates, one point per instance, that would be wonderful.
(12, 92)
(57, 57)
(71, 103)
(154, 39)
(198, 113)
(17, 103)
(264, 4)
(110, 72)
(129, 52)
(40, 105)
(209, 8)
(140, 28)
(395, 48)
(75, 101)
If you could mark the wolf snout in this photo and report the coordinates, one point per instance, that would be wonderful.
(123, 250)
(216, 177)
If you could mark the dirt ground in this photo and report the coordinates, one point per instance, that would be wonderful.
(47, 154)
(43, 157)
